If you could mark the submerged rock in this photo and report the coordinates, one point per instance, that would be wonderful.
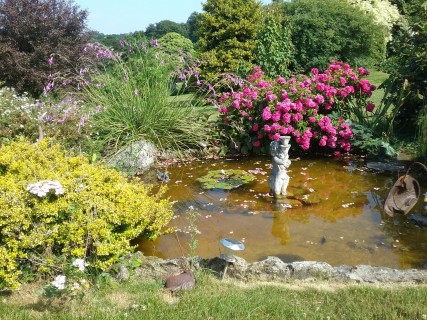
(386, 166)
(310, 199)
(419, 219)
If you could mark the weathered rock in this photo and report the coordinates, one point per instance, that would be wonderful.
(153, 267)
(274, 269)
(385, 166)
(269, 269)
(120, 272)
(308, 269)
(182, 281)
(310, 199)
(136, 157)
(369, 274)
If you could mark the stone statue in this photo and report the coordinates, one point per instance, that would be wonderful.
(279, 179)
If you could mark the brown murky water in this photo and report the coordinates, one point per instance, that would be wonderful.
(348, 226)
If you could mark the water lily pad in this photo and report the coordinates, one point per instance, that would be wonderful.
(225, 179)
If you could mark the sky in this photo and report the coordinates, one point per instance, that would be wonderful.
(124, 16)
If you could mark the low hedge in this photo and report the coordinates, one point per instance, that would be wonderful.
(56, 207)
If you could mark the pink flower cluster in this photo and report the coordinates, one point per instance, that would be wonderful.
(310, 108)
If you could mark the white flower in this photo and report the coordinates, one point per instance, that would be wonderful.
(43, 187)
(59, 282)
(76, 286)
(80, 264)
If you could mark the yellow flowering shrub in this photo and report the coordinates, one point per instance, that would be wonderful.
(85, 211)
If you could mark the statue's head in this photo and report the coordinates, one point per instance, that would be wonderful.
(274, 148)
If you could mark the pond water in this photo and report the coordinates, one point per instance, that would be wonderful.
(347, 225)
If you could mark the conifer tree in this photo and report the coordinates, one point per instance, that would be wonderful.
(228, 30)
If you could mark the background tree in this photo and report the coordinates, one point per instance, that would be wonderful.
(407, 65)
(109, 40)
(333, 30)
(31, 32)
(173, 44)
(193, 27)
(159, 29)
(274, 50)
(228, 30)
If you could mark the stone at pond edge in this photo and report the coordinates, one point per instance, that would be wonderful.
(136, 157)
(182, 281)
(274, 269)
(392, 166)
(225, 179)
(120, 272)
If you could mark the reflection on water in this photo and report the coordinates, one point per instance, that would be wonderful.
(347, 226)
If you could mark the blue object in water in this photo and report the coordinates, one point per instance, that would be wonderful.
(163, 176)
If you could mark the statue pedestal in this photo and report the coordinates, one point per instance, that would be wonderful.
(279, 178)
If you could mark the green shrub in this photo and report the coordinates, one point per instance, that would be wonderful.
(274, 50)
(173, 45)
(227, 31)
(328, 30)
(94, 218)
(422, 135)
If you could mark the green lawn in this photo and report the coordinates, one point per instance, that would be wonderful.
(376, 78)
(215, 299)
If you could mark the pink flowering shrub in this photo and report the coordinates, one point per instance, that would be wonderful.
(312, 109)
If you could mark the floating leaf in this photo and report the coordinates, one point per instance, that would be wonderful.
(225, 179)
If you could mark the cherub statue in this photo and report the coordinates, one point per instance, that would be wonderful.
(279, 179)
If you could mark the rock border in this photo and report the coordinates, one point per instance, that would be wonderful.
(273, 269)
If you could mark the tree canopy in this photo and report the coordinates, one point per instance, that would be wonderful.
(328, 30)
(159, 29)
(34, 31)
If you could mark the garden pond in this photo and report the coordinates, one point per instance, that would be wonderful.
(338, 217)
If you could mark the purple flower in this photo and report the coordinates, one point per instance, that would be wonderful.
(154, 43)
(50, 61)
(83, 121)
(48, 87)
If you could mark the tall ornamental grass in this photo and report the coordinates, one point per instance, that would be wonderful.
(134, 93)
